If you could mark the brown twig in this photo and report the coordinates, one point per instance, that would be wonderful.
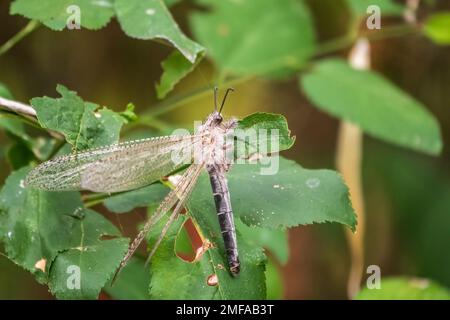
(17, 107)
(348, 162)
(27, 112)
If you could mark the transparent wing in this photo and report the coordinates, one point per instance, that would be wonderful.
(114, 168)
(179, 195)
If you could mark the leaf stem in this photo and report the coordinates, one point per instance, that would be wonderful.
(94, 196)
(327, 47)
(30, 27)
(27, 119)
(349, 39)
(149, 121)
(177, 101)
(335, 44)
(391, 32)
(93, 203)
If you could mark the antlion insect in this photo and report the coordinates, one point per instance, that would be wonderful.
(130, 165)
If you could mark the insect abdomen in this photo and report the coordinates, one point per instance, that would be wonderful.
(225, 215)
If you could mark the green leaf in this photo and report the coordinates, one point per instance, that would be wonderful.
(129, 114)
(256, 36)
(250, 284)
(293, 196)
(437, 28)
(11, 125)
(401, 288)
(143, 197)
(19, 155)
(375, 104)
(56, 13)
(254, 123)
(175, 68)
(82, 123)
(150, 19)
(388, 7)
(190, 279)
(106, 124)
(43, 147)
(97, 260)
(27, 216)
(133, 282)
(170, 3)
(16, 128)
(46, 232)
(275, 240)
(40, 147)
(274, 281)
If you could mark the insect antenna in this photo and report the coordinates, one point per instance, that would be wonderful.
(215, 98)
(225, 98)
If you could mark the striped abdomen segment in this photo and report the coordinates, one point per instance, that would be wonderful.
(225, 214)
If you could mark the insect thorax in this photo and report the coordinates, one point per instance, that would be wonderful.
(217, 144)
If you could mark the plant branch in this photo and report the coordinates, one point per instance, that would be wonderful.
(177, 101)
(30, 27)
(391, 32)
(17, 107)
(349, 163)
(149, 121)
(327, 47)
(350, 145)
(27, 113)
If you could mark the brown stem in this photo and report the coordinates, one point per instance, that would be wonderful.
(17, 107)
(348, 162)
(27, 112)
(30, 27)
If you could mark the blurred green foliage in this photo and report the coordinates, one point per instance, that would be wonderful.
(407, 193)
(405, 289)
(377, 106)
(437, 27)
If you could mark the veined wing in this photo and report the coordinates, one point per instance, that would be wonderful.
(179, 195)
(115, 168)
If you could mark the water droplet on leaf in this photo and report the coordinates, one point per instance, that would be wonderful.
(312, 183)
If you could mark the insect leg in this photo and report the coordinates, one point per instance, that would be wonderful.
(166, 227)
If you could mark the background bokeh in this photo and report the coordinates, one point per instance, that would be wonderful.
(407, 194)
